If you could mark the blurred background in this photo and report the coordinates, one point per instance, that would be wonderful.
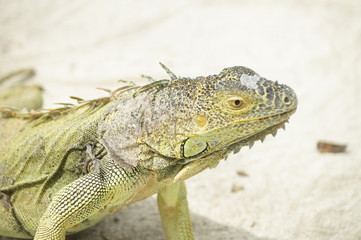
(281, 189)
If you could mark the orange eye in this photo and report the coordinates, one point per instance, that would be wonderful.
(236, 102)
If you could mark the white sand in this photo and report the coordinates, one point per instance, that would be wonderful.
(292, 191)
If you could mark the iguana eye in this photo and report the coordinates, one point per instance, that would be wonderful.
(236, 102)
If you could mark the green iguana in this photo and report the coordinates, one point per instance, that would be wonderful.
(63, 170)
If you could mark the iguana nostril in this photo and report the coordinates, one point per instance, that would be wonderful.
(286, 100)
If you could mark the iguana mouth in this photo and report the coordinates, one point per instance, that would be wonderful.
(278, 115)
(249, 141)
(282, 115)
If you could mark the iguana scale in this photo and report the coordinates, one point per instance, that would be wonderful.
(63, 170)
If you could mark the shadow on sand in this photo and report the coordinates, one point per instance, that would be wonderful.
(141, 221)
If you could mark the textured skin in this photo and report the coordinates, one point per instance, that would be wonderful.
(84, 162)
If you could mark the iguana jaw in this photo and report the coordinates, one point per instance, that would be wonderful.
(282, 115)
(192, 166)
(249, 140)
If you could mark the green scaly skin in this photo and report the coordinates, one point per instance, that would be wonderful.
(64, 170)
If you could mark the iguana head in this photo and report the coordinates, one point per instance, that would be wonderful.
(186, 119)
(197, 117)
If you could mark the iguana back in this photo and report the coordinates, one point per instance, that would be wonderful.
(39, 157)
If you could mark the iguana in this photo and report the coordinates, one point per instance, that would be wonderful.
(63, 170)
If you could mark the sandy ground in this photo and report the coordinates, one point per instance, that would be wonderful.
(291, 191)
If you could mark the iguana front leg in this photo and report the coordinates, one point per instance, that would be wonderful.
(173, 208)
(71, 205)
(80, 200)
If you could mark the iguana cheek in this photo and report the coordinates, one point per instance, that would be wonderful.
(194, 146)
